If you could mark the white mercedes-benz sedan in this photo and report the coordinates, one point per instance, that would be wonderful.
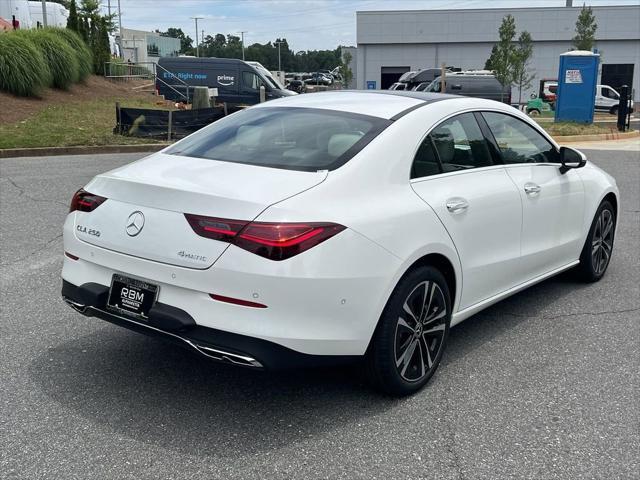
(337, 226)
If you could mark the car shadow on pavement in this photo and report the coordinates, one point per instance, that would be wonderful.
(154, 392)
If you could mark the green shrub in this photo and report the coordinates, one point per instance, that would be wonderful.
(83, 54)
(58, 55)
(23, 69)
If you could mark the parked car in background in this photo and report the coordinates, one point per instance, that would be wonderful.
(427, 75)
(473, 85)
(608, 99)
(237, 81)
(421, 86)
(296, 86)
(398, 86)
(317, 78)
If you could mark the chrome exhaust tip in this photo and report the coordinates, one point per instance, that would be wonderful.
(228, 357)
(78, 307)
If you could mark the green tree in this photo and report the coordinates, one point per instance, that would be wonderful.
(72, 21)
(505, 53)
(488, 65)
(521, 74)
(100, 47)
(345, 70)
(586, 27)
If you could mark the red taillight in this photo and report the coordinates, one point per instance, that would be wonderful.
(275, 241)
(84, 201)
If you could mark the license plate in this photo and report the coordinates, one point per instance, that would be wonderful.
(131, 297)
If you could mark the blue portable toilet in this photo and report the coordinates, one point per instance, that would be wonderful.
(577, 80)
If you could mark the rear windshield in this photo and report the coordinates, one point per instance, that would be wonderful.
(304, 139)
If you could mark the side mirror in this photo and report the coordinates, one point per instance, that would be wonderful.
(571, 158)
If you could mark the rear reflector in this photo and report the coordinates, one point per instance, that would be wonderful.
(84, 201)
(72, 257)
(236, 301)
(275, 241)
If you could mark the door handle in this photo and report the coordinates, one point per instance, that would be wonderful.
(457, 205)
(532, 188)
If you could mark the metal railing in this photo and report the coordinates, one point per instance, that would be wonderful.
(124, 71)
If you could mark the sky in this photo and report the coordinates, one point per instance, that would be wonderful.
(306, 24)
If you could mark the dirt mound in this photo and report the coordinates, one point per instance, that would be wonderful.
(13, 109)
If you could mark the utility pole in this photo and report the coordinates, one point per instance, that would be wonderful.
(242, 33)
(109, 7)
(197, 43)
(44, 13)
(120, 29)
(202, 37)
(279, 42)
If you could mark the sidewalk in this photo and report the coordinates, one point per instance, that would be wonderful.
(627, 144)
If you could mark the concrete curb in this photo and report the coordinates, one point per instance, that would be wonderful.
(595, 137)
(154, 147)
(80, 150)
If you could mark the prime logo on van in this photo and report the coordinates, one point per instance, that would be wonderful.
(226, 80)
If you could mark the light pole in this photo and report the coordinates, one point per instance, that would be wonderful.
(44, 13)
(120, 29)
(197, 48)
(279, 43)
(242, 33)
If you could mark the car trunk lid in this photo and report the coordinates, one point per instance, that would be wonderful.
(147, 200)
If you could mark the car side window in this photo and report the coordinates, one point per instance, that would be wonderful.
(426, 163)
(250, 80)
(519, 142)
(460, 144)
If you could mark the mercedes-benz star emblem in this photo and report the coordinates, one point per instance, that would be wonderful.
(135, 224)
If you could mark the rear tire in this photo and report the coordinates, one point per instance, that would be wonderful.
(534, 112)
(598, 248)
(411, 336)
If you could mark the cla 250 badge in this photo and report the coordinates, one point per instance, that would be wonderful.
(88, 231)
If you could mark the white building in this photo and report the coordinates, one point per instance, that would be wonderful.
(392, 42)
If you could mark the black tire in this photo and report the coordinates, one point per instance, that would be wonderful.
(598, 248)
(417, 345)
(614, 111)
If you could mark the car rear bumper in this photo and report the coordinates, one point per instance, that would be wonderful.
(324, 302)
(179, 327)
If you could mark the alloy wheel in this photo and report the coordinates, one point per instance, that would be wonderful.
(602, 242)
(420, 331)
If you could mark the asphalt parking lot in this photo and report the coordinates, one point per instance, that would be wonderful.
(544, 385)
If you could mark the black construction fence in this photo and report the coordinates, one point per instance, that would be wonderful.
(166, 124)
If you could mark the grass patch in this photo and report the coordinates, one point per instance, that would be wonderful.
(573, 128)
(82, 123)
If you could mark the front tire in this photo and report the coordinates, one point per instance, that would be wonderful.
(598, 248)
(614, 111)
(412, 333)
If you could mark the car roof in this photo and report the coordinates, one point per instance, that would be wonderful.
(389, 104)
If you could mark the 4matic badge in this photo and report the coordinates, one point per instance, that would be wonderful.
(192, 256)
